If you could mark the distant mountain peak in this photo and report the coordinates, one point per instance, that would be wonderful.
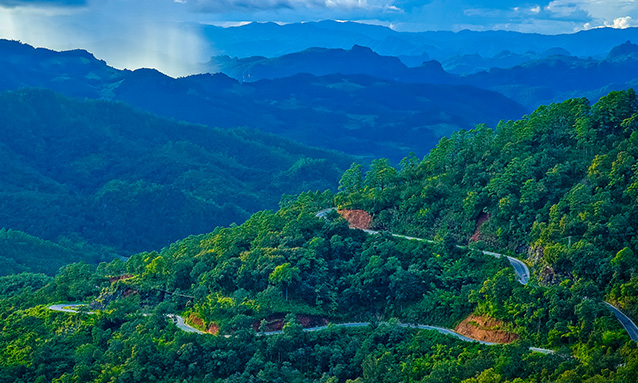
(625, 49)
(361, 48)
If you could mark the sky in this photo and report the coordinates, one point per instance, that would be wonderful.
(153, 33)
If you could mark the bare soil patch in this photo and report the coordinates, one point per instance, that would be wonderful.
(482, 218)
(486, 329)
(200, 324)
(358, 219)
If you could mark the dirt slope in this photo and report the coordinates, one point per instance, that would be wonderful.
(482, 218)
(358, 219)
(486, 329)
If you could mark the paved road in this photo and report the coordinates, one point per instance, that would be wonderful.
(442, 330)
(75, 308)
(324, 212)
(69, 308)
(446, 331)
(627, 323)
(181, 324)
(520, 268)
(522, 272)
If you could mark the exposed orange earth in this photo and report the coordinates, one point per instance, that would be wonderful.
(486, 329)
(358, 219)
(482, 218)
(198, 322)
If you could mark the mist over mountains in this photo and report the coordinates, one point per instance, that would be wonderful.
(273, 40)
(531, 79)
(358, 114)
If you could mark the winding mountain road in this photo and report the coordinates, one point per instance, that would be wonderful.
(627, 323)
(75, 308)
(522, 272)
(520, 268)
(181, 324)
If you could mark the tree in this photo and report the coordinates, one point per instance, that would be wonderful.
(284, 274)
(381, 174)
(352, 179)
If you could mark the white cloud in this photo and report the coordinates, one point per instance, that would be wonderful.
(620, 23)
(598, 12)
(346, 4)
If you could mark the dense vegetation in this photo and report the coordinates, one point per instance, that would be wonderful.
(22, 252)
(234, 277)
(558, 187)
(95, 174)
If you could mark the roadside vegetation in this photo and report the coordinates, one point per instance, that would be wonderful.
(557, 189)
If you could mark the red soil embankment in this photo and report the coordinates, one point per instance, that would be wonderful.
(213, 328)
(198, 322)
(486, 329)
(482, 218)
(358, 219)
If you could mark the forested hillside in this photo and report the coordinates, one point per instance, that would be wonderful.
(557, 188)
(101, 174)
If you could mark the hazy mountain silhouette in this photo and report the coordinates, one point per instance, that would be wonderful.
(358, 114)
(323, 61)
(559, 77)
(272, 40)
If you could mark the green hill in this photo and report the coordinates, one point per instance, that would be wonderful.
(20, 252)
(557, 189)
(104, 173)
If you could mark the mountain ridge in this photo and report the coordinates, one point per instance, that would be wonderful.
(356, 114)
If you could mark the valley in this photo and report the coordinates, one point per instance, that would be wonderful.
(326, 202)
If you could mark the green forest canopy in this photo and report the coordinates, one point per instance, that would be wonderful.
(567, 170)
(103, 178)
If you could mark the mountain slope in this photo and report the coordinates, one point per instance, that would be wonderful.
(556, 78)
(360, 115)
(323, 61)
(559, 188)
(107, 174)
(567, 169)
(530, 79)
(272, 40)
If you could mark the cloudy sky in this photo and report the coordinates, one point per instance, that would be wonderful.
(108, 27)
